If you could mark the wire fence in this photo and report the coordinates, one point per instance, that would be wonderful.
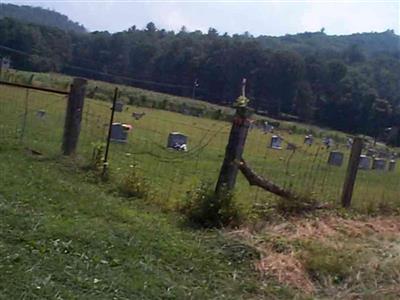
(170, 171)
(35, 119)
(305, 169)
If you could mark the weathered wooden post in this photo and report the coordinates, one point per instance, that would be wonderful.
(73, 116)
(236, 143)
(351, 172)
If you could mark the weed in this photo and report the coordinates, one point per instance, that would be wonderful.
(205, 208)
(134, 184)
(97, 157)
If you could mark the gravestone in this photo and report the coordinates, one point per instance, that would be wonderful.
(349, 143)
(276, 142)
(268, 127)
(328, 142)
(309, 139)
(392, 165)
(379, 164)
(41, 114)
(371, 152)
(5, 63)
(365, 162)
(335, 158)
(119, 106)
(119, 132)
(177, 141)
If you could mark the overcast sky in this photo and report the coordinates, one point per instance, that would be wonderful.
(237, 16)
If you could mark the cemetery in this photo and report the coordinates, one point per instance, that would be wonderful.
(157, 143)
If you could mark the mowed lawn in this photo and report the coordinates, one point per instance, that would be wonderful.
(63, 237)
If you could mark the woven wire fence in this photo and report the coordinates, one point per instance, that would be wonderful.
(304, 168)
(170, 172)
(32, 118)
(36, 118)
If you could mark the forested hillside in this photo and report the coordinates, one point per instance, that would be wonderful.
(38, 15)
(349, 83)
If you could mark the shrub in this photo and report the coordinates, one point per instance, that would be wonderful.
(97, 161)
(134, 184)
(204, 208)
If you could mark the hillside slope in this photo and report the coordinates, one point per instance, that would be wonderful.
(40, 16)
(65, 237)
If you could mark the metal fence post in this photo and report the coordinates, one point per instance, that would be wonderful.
(73, 116)
(105, 161)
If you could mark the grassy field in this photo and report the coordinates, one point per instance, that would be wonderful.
(62, 237)
(66, 235)
(172, 174)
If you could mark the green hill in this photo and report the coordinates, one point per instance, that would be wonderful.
(40, 16)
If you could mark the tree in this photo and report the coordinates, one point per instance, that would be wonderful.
(304, 101)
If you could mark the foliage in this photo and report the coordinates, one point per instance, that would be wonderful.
(134, 184)
(97, 156)
(40, 16)
(202, 206)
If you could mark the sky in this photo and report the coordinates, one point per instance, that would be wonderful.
(258, 17)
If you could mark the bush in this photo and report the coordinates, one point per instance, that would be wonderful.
(134, 184)
(204, 208)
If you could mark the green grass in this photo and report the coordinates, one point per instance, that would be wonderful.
(173, 174)
(64, 237)
(63, 234)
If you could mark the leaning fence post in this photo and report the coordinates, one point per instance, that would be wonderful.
(73, 116)
(351, 173)
(236, 143)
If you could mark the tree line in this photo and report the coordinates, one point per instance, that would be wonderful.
(348, 83)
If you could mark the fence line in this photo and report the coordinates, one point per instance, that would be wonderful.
(35, 118)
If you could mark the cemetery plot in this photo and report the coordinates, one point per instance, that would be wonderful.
(309, 165)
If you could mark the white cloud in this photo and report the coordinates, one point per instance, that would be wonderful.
(346, 18)
(270, 18)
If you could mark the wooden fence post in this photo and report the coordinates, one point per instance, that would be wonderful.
(233, 151)
(351, 173)
(73, 116)
(236, 143)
